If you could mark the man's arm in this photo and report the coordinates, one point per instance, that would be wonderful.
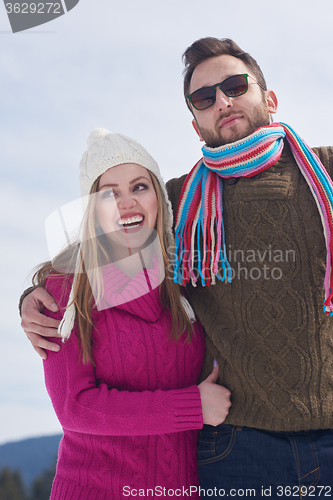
(35, 324)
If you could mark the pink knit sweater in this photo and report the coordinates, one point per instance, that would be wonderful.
(130, 423)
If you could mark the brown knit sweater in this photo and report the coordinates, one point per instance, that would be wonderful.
(267, 329)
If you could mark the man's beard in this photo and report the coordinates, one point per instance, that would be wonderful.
(260, 117)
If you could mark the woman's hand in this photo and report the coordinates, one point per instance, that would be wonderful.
(215, 399)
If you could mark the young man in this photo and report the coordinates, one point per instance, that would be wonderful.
(251, 247)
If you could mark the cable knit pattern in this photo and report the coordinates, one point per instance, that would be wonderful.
(132, 420)
(267, 329)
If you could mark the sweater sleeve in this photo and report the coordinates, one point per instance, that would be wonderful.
(83, 404)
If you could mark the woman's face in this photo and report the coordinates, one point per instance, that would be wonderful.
(126, 205)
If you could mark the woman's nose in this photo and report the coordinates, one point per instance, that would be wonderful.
(126, 201)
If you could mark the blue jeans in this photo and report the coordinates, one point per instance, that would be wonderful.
(242, 462)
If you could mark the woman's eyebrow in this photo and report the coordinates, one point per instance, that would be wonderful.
(140, 177)
(131, 182)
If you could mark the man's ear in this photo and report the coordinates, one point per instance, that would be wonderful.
(272, 101)
(196, 128)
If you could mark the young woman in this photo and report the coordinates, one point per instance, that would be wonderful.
(124, 382)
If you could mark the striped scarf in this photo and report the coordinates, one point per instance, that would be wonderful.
(199, 232)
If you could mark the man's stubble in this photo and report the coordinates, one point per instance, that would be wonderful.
(260, 117)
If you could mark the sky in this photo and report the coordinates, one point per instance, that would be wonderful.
(118, 65)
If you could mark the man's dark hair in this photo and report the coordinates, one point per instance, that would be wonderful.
(205, 48)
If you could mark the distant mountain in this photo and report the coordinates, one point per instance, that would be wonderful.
(31, 456)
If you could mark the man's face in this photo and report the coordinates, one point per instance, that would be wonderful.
(230, 118)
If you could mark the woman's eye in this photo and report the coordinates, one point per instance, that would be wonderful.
(108, 193)
(140, 187)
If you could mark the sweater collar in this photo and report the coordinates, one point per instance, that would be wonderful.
(138, 295)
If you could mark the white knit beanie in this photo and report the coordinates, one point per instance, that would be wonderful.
(106, 150)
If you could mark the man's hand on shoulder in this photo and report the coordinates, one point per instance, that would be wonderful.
(36, 325)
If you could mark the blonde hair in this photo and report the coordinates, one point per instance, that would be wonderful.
(93, 254)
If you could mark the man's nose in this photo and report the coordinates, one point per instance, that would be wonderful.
(222, 100)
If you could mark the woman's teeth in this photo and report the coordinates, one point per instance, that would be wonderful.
(132, 222)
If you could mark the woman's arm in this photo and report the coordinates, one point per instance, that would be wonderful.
(84, 405)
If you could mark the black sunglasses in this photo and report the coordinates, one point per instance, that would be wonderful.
(233, 86)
